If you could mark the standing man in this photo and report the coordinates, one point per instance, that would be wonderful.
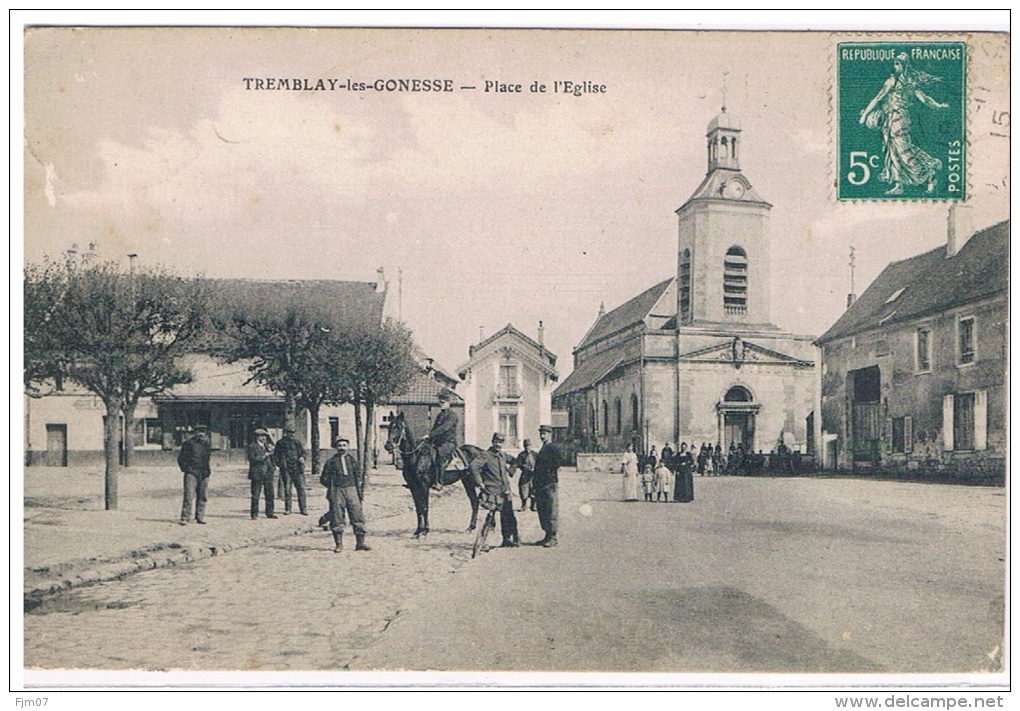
(525, 462)
(342, 478)
(443, 436)
(289, 455)
(545, 483)
(491, 472)
(193, 460)
(260, 472)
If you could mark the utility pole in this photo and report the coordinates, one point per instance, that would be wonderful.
(852, 296)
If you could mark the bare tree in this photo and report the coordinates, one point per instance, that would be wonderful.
(116, 335)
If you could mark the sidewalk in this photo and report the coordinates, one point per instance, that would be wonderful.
(71, 541)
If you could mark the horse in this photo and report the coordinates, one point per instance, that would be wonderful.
(416, 463)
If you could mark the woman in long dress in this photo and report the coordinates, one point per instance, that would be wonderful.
(905, 161)
(629, 469)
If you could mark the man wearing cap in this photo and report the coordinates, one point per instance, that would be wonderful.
(525, 463)
(193, 460)
(544, 485)
(491, 472)
(289, 456)
(342, 478)
(260, 472)
(443, 436)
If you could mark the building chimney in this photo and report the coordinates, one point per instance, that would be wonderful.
(541, 334)
(380, 281)
(958, 228)
(850, 299)
(602, 309)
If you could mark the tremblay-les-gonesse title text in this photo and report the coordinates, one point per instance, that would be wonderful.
(415, 86)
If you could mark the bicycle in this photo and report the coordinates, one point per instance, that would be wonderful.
(483, 532)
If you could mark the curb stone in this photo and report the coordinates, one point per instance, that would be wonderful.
(140, 561)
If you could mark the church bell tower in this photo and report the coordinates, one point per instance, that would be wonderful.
(723, 255)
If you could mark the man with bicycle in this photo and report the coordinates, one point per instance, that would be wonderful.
(491, 472)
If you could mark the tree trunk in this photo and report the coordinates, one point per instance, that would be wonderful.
(358, 436)
(111, 442)
(129, 434)
(370, 438)
(290, 410)
(313, 415)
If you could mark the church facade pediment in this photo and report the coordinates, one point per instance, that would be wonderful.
(738, 351)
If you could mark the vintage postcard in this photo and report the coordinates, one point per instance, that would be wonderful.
(528, 357)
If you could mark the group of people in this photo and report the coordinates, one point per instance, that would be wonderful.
(341, 476)
(264, 458)
(492, 471)
(658, 478)
(653, 473)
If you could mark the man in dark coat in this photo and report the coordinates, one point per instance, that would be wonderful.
(547, 464)
(344, 488)
(193, 460)
(289, 456)
(443, 436)
(491, 472)
(260, 471)
(525, 463)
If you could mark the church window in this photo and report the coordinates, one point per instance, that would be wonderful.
(618, 415)
(735, 281)
(635, 420)
(591, 418)
(685, 286)
(738, 393)
(605, 417)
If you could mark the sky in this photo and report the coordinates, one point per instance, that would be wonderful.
(483, 208)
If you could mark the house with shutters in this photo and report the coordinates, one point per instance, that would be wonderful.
(508, 383)
(914, 371)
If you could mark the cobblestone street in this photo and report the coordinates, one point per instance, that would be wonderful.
(757, 575)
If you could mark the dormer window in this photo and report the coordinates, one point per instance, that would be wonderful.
(895, 295)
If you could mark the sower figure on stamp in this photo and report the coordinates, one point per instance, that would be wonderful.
(443, 436)
(289, 455)
(491, 471)
(260, 471)
(905, 161)
(545, 484)
(525, 463)
(193, 460)
(343, 481)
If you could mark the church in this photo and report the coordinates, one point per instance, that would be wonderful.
(696, 358)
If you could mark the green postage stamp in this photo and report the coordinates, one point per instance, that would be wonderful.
(902, 129)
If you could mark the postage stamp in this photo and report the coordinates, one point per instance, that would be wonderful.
(902, 120)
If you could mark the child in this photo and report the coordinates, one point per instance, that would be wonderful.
(648, 482)
(662, 477)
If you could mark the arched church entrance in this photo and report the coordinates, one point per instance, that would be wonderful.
(737, 412)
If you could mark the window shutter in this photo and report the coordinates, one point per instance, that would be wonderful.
(947, 423)
(908, 434)
(981, 419)
(887, 435)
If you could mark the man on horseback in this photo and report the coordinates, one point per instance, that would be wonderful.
(443, 437)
